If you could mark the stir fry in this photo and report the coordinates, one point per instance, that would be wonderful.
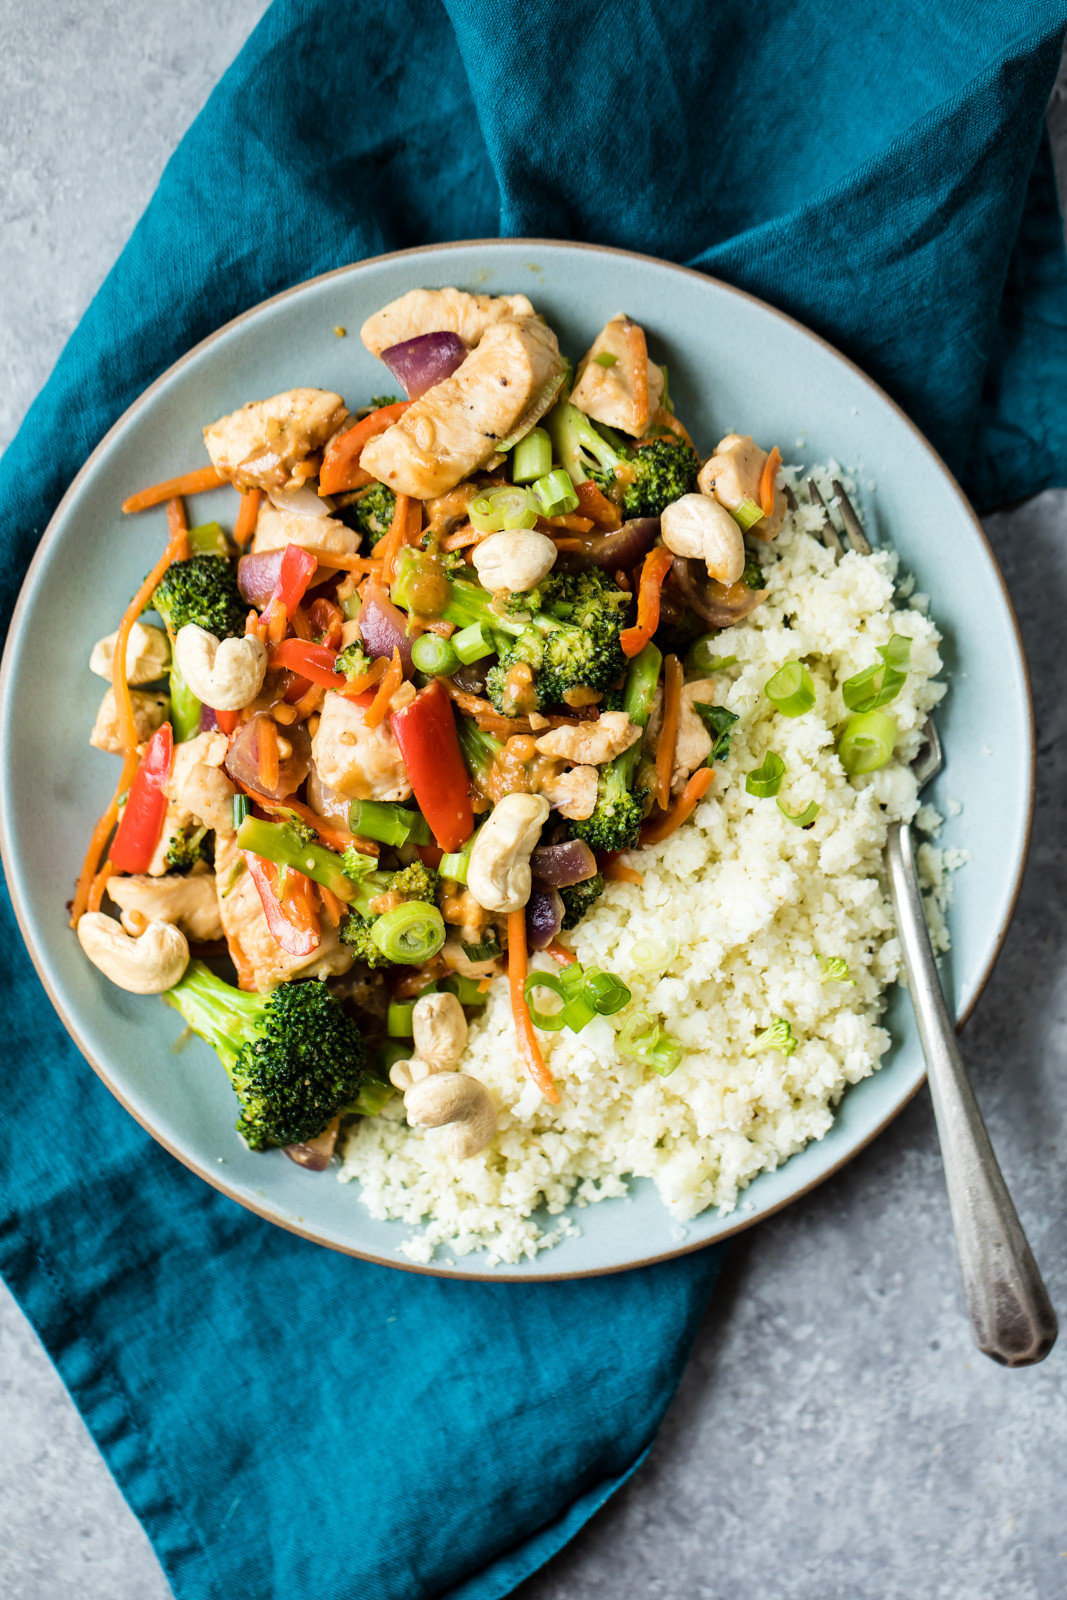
(451, 670)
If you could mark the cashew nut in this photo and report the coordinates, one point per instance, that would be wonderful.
(516, 561)
(455, 1099)
(440, 1029)
(148, 965)
(224, 676)
(702, 529)
(147, 654)
(498, 873)
(402, 1074)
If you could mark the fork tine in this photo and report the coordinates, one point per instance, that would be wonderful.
(853, 526)
(829, 532)
(790, 498)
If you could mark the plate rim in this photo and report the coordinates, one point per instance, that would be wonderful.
(24, 920)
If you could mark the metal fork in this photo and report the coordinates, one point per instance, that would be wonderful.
(1010, 1313)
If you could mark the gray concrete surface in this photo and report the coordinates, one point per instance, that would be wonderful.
(836, 1436)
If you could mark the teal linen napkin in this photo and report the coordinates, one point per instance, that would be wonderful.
(283, 1420)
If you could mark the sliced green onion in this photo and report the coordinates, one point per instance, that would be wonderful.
(555, 494)
(388, 823)
(435, 656)
(779, 1036)
(866, 742)
(577, 1013)
(605, 359)
(208, 540)
(878, 685)
(503, 510)
(748, 514)
(702, 657)
(410, 934)
(483, 516)
(653, 955)
(242, 808)
(486, 949)
(835, 970)
(791, 690)
(604, 992)
(802, 818)
(647, 1041)
(468, 991)
(454, 865)
(766, 780)
(532, 457)
(398, 1019)
(720, 725)
(547, 1021)
(471, 644)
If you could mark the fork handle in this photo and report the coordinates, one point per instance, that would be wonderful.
(1011, 1316)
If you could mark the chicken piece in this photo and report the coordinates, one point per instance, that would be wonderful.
(149, 713)
(439, 311)
(460, 909)
(456, 959)
(693, 744)
(455, 427)
(147, 654)
(607, 393)
(258, 957)
(197, 784)
(275, 529)
(187, 900)
(591, 743)
(573, 793)
(358, 762)
(269, 444)
(732, 475)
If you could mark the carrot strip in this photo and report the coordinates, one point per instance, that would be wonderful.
(309, 702)
(340, 465)
(369, 679)
(394, 677)
(198, 482)
(330, 903)
(619, 872)
(663, 418)
(300, 624)
(98, 885)
(178, 522)
(668, 738)
(127, 728)
(524, 1028)
(560, 953)
(406, 524)
(638, 348)
(767, 482)
(570, 523)
(330, 558)
(268, 753)
(694, 791)
(463, 538)
(593, 502)
(656, 567)
(245, 525)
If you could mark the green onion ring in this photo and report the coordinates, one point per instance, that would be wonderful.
(409, 934)
(802, 818)
(765, 781)
(791, 690)
(866, 742)
(547, 1021)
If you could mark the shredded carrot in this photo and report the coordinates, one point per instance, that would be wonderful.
(668, 738)
(524, 1028)
(339, 563)
(340, 465)
(665, 419)
(198, 482)
(177, 522)
(98, 885)
(638, 348)
(127, 727)
(245, 525)
(393, 678)
(767, 482)
(619, 872)
(330, 903)
(593, 502)
(656, 567)
(277, 623)
(560, 953)
(268, 753)
(310, 702)
(404, 528)
(695, 790)
(301, 625)
(463, 538)
(373, 676)
(570, 523)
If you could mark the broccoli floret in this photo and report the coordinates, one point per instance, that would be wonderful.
(480, 750)
(416, 882)
(377, 401)
(354, 661)
(203, 590)
(615, 823)
(642, 482)
(186, 849)
(578, 897)
(753, 575)
(410, 883)
(294, 1056)
(372, 513)
(355, 933)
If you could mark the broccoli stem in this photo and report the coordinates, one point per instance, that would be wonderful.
(479, 749)
(638, 695)
(576, 440)
(184, 706)
(224, 1016)
(277, 842)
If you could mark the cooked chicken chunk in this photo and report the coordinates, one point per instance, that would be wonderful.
(439, 311)
(456, 959)
(591, 743)
(147, 654)
(605, 390)
(455, 427)
(573, 793)
(275, 529)
(198, 785)
(268, 443)
(693, 744)
(149, 712)
(733, 474)
(260, 960)
(359, 762)
(189, 901)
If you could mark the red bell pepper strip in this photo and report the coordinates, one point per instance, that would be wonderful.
(656, 567)
(312, 661)
(426, 733)
(293, 920)
(340, 465)
(138, 833)
(294, 575)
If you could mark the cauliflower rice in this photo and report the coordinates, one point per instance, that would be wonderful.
(753, 903)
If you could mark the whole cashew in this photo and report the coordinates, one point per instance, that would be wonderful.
(147, 654)
(516, 561)
(148, 965)
(402, 1074)
(702, 529)
(224, 676)
(498, 873)
(440, 1029)
(455, 1099)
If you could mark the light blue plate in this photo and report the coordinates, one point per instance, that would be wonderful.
(734, 364)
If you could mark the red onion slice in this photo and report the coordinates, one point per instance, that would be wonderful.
(622, 549)
(257, 576)
(315, 1154)
(208, 720)
(242, 759)
(383, 627)
(560, 865)
(544, 915)
(417, 364)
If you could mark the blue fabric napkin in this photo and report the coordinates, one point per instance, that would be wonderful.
(283, 1420)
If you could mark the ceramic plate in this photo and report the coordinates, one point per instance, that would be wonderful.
(734, 363)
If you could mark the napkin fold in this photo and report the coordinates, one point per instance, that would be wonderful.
(285, 1420)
